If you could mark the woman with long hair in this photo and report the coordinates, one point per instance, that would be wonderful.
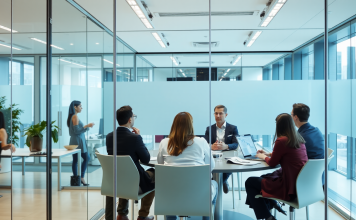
(3, 137)
(76, 132)
(184, 148)
(289, 151)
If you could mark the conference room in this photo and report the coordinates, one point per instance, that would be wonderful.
(255, 57)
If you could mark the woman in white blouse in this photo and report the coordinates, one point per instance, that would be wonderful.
(183, 148)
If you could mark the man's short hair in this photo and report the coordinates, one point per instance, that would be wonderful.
(124, 114)
(302, 111)
(221, 106)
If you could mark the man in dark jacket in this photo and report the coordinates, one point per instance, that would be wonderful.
(130, 143)
(223, 137)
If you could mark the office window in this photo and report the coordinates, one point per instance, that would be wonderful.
(342, 153)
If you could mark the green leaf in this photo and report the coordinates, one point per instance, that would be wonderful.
(55, 135)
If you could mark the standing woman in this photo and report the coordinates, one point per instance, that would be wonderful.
(289, 151)
(76, 132)
(3, 137)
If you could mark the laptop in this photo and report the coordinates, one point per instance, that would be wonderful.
(247, 147)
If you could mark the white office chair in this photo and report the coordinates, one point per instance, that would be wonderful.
(309, 187)
(183, 190)
(128, 178)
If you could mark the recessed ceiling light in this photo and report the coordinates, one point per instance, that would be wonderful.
(71, 44)
(8, 46)
(96, 43)
(159, 39)
(141, 12)
(71, 62)
(174, 61)
(44, 42)
(252, 38)
(236, 60)
(7, 29)
(272, 11)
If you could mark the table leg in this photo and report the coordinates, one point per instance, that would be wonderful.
(23, 165)
(59, 174)
(79, 163)
(218, 214)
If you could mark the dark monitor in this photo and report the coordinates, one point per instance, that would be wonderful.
(203, 74)
(179, 78)
(101, 127)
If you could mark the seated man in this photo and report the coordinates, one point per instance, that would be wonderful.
(130, 143)
(223, 137)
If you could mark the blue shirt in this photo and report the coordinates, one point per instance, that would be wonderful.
(314, 141)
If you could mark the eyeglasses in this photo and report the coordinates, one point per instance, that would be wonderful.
(219, 113)
(134, 116)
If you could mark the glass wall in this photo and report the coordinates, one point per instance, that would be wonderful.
(257, 69)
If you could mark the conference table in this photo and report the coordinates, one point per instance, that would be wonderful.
(223, 167)
(56, 154)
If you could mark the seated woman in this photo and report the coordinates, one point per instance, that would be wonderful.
(3, 137)
(184, 148)
(289, 151)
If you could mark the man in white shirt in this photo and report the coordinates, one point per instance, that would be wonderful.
(223, 137)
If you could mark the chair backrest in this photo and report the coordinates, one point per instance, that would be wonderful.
(127, 184)
(183, 190)
(309, 182)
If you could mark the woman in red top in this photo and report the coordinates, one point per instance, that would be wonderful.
(289, 151)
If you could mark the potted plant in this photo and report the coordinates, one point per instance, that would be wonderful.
(35, 137)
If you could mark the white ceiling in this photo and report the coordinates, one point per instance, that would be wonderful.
(297, 22)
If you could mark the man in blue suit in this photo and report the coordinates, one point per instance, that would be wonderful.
(223, 137)
(314, 140)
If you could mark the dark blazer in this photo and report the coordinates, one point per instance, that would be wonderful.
(314, 141)
(131, 144)
(230, 135)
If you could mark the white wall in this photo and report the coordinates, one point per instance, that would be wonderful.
(252, 105)
(252, 73)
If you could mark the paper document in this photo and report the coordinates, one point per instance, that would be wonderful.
(237, 160)
(153, 158)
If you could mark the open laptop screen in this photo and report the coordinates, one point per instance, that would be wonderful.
(247, 146)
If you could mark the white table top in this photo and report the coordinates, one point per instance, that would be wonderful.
(223, 166)
(25, 152)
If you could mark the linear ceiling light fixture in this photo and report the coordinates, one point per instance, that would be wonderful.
(273, 7)
(175, 61)
(9, 46)
(44, 42)
(161, 39)
(236, 60)
(252, 38)
(142, 12)
(111, 62)
(7, 29)
(71, 62)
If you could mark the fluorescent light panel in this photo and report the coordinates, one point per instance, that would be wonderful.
(174, 61)
(270, 14)
(110, 62)
(44, 42)
(236, 60)
(140, 14)
(8, 46)
(159, 39)
(254, 35)
(7, 29)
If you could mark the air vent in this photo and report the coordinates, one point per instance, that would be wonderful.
(205, 62)
(216, 13)
(205, 44)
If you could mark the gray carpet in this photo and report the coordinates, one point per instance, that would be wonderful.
(65, 169)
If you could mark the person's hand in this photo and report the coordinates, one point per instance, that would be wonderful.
(136, 130)
(261, 155)
(219, 146)
(264, 152)
(90, 125)
(11, 147)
